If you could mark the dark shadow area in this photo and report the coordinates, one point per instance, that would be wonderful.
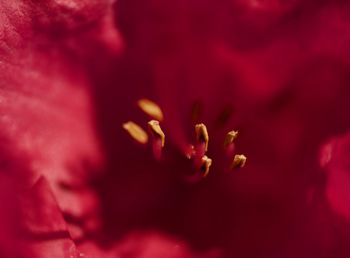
(137, 193)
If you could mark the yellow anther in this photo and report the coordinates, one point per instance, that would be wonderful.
(230, 137)
(151, 109)
(205, 165)
(136, 132)
(239, 161)
(202, 135)
(156, 131)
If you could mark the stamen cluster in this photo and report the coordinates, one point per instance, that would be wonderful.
(197, 152)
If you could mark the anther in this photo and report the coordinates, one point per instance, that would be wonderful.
(230, 138)
(158, 138)
(239, 161)
(151, 109)
(202, 135)
(205, 165)
(156, 131)
(229, 144)
(136, 132)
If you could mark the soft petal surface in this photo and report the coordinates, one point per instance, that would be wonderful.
(71, 73)
(43, 229)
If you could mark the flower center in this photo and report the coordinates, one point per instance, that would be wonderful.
(196, 152)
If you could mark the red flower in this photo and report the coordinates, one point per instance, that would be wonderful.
(73, 183)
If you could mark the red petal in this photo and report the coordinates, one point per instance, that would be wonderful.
(335, 158)
(43, 230)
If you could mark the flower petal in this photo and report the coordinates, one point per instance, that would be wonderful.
(43, 229)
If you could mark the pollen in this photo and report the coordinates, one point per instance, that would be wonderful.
(239, 161)
(230, 138)
(156, 131)
(205, 165)
(136, 132)
(151, 109)
(202, 135)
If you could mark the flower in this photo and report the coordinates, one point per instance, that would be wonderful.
(74, 184)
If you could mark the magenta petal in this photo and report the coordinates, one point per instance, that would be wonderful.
(46, 108)
(43, 230)
(148, 245)
(335, 158)
(40, 213)
(281, 68)
(46, 117)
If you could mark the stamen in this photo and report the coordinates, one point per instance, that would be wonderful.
(158, 138)
(136, 132)
(230, 137)
(151, 109)
(206, 163)
(202, 135)
(156, 131)
(239, 161)
(229, 144)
